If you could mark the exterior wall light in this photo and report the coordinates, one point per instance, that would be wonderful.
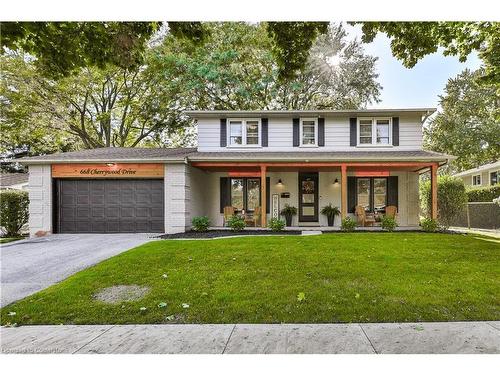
(336, 182)
(280, 183)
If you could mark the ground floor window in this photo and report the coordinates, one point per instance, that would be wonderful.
(494, 178)
(371, 193)
(245, 193)
(476, 180)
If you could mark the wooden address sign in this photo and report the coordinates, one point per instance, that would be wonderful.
(111, 170)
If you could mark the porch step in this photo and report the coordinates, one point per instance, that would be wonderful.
(311, 232)
(309, 224)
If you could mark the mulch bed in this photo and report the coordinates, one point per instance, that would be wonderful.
(226, 233)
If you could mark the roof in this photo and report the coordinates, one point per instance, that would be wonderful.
(479, 169)
(315, 113)
(416, 156)
(180, 155)
(11, 179)
(114, 154)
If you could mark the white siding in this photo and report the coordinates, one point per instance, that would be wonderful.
(40, 194)
(337, 136)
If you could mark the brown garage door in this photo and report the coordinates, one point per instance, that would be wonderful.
(109, 206)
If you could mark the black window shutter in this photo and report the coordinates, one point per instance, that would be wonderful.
(321, 132)
(223, 132)
(264, 130)
(296, 122)
(351, 194)
(268, 195)
(392, 191)
(353, 124)
(225, 193)
(395, 131)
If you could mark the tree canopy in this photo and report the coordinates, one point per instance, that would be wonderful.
(466, 125)
(411, 41)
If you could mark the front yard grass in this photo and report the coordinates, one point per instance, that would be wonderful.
(341, 277)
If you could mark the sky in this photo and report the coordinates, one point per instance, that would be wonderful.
(415, 87)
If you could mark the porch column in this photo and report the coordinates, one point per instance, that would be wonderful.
(343, 181)
(263, 198)
(434, 168)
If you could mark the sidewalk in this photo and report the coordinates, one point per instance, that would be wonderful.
(453, 337)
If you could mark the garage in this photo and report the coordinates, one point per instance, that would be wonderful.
(109, 205)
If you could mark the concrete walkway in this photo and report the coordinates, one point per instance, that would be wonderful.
(454, 337)
(31, 265)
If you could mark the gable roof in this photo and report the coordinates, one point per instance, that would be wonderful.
(479, 169)
(11, 179)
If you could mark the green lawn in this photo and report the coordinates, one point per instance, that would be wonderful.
(358, 277)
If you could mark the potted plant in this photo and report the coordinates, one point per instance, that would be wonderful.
(330, 212)
(288, 212)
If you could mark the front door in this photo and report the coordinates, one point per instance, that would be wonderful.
(308, 196)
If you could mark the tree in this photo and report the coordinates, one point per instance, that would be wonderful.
(466, 126)
(411, 41)
(236, 70)
(62, 48)
(94, 108)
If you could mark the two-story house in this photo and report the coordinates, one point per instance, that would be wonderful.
(248, 160)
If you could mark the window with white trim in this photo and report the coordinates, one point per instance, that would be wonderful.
(494, 178)
(308, 132)
(476, 180)
(374, 131)
(244, 132)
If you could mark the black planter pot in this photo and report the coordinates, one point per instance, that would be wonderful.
(288, 221)
(331, 220)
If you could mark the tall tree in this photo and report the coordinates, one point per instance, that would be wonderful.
(466, 126)
(236, 70)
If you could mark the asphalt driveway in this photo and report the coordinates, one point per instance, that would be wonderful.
(31, 265)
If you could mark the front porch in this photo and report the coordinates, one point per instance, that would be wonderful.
(309, 186)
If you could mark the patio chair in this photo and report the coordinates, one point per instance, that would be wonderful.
(391, 211)
(363, 219)
(228, 212)
(254, 218)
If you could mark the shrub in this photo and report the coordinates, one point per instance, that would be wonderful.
(13, 211)
(276, 225)
(388, 223)
(200, 223)
(348, 224)
(484, 194)
(452, 198)
(429, 225)
(236, 223)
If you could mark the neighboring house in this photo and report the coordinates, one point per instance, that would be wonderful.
(485, 175)
(15, 181)
(244, 159)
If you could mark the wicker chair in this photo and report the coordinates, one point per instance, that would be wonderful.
(255, 218)
(228, 212)
(363, 219)
(391, 211)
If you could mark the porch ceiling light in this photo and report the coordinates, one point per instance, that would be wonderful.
(110, 164)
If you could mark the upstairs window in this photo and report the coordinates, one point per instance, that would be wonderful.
(244, 132)
(308, 132)
(374, 131)
(476, 180)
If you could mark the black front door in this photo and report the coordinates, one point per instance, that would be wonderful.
(308, 196)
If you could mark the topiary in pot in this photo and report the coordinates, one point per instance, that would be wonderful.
(288, 212)
(330, 212)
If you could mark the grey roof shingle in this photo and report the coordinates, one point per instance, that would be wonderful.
(10, 179)
(321, 155)
(180, 154)
(114, 154)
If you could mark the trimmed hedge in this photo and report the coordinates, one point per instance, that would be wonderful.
(483, 194)
(14, 211)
